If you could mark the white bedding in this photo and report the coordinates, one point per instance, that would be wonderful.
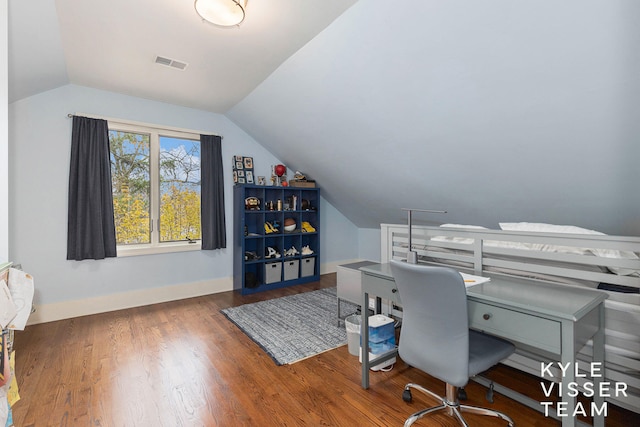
(546, 228)
(570, 229)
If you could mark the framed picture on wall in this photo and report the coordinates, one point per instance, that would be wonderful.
(242, 169)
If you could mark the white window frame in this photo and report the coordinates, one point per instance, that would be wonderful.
(155, 246)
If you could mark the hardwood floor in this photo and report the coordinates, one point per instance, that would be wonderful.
(184, 364)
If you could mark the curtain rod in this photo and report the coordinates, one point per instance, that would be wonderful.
(131, 122)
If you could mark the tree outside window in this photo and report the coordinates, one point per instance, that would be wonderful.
(131, 185)
(156, 186)
(179, 189)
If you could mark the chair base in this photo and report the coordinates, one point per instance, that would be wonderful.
(451, 405)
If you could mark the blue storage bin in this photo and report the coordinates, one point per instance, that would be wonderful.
(382, 336)
(382, 346)
(381, 329)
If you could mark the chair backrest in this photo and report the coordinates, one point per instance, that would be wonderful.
(435, 330)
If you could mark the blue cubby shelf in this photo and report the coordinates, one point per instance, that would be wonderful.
(250, 235)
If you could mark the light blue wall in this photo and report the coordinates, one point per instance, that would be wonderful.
(369, 244)
(40, 135)
(338, 237)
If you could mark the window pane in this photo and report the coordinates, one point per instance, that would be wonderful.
(131, 186)
(179, 189)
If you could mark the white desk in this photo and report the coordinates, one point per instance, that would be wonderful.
(552, 319)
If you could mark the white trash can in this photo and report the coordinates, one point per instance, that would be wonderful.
(352, 323)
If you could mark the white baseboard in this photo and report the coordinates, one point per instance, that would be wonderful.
(69, 309)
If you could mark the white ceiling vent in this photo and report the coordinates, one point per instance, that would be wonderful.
(171, 62)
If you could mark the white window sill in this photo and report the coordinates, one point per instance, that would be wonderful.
(165, 248)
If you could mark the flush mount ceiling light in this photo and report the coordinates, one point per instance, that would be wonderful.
(225, 13)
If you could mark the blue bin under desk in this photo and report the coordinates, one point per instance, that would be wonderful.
(382, 337)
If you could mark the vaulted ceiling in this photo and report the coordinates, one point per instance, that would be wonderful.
(113, 44)
(494, 110)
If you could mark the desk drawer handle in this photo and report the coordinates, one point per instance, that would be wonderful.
(486, 316)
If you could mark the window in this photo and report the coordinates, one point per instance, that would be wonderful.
(156, 189)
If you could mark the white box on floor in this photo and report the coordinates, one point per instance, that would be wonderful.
(349, 281)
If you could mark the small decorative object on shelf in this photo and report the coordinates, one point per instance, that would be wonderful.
(252, 204)
(300, 180)
(289, 224)
(279, 175)
(276, 237)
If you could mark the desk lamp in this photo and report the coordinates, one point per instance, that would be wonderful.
(412, 256)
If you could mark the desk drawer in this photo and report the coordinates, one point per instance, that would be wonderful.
(515, 325)
(379, 287)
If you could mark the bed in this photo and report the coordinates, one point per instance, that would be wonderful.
(562, 255)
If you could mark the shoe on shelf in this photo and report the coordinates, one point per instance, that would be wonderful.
(306, 227)
(291, 252)
(306, 250)
(268, 228)
(272, 253)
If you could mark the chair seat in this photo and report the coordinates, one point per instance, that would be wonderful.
(486, 351)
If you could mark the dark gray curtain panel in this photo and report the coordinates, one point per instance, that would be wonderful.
(214, 232)
(91, 232)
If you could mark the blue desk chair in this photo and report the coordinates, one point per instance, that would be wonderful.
(436, 339)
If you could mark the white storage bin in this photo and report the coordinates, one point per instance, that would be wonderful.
(291, 269)
(308, 267)
(272, 272)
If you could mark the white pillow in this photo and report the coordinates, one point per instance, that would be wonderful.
(477, 227)
(546, 228)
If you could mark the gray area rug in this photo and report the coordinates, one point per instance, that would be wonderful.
(293, 327)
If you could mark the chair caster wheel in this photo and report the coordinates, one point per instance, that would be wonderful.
(406, 395)
(462, 394)
(490, 393)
